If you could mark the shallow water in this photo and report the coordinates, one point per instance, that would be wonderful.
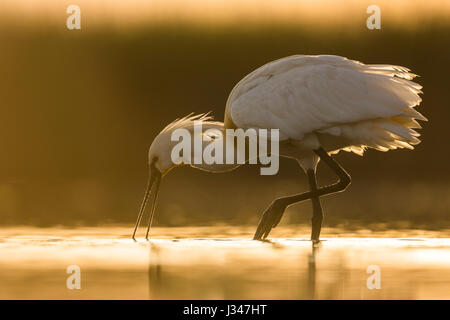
(222, 263)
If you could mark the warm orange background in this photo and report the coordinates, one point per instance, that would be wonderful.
(79, 109)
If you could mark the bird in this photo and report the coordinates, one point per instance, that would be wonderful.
(321, 105)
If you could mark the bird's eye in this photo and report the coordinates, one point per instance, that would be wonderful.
(154, 160)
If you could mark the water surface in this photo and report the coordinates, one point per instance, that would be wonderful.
(222, 263)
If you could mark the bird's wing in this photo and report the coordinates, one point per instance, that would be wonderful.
(303, 94)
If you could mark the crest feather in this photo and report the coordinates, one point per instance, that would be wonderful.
(188, 120)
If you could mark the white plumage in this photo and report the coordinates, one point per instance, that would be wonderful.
(346, 104)
(321, 105)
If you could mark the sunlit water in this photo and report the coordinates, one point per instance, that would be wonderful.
(222, 263)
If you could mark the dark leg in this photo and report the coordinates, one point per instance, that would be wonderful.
(272, 216)
(317, 217)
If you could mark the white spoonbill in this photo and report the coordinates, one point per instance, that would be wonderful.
(321, 105)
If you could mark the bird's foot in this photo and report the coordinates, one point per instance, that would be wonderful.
(316, 227)
(270, 219)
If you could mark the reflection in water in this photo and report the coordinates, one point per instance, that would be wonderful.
(155, 281)
(157, 284)
(312, 270)
(218, 266)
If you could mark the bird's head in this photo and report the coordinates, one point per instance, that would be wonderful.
(160, 160)
(159, 154)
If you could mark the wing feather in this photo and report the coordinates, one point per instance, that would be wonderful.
(304, 94)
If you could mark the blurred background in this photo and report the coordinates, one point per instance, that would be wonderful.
(79, 108)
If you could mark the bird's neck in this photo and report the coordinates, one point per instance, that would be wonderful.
(211, 146)
(214, 148)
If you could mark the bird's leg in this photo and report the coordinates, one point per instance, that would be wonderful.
(272, 216)
(317, 218)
